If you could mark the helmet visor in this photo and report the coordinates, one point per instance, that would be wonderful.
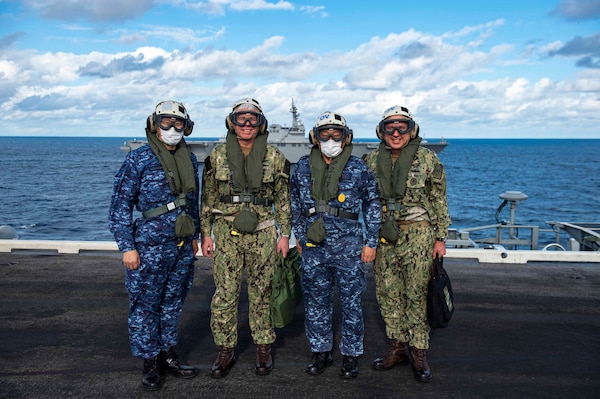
(242, 118)
(402, 126)
(165, 122)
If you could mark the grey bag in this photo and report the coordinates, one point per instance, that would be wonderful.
(246, 221)
(316, 231)
(389, 230)
(184, 225)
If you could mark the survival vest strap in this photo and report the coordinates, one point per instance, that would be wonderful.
(323, 207)
(390, 204)
(168, 207)
(245, 198)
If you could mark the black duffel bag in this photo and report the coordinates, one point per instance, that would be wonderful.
(440, 299)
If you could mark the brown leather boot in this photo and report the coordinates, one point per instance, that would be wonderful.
(397, 354)
(223, 364)
(419, 365)
(264, 360)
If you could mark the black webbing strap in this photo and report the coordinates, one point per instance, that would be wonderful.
(159, 210)
(337, 212)
(245, 198)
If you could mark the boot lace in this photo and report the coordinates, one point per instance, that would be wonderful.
(263, 353)
(224, 355)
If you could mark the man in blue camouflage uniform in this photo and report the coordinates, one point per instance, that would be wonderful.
(158, 247)
(330, 189)
(412, 185)
(245, 198)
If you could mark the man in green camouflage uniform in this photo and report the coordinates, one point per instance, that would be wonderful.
(412, 185)
(245, 206)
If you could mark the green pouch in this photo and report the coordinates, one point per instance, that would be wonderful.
(245, 221)
(287, 290)
(316, 231)
(389, 230)
(184, 225)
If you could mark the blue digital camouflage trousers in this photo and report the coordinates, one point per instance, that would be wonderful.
(257, 254)
(318, 283)
(157, 291)
(402, 273)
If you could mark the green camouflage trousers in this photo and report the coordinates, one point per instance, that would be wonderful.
(255, 252)
(401, 276)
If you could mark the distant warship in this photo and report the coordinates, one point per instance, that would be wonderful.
(291, 141)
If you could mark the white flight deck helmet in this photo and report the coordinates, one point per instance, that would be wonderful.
(397, 110)
(333, 119)
(173, 109)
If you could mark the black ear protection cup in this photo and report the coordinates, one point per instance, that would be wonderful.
(379, 133)
(189, 127)
(349, 136)
(150, 126)
(311, 137)
(416, 132)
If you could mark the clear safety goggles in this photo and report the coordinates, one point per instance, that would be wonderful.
(324, 133)
(244, 117)
(167, 121)
(402, 126)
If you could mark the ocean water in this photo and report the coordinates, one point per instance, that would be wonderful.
(59, 188)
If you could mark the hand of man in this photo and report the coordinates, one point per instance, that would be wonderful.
(368, 254)
(439, 249)
(283, 246)
(207, 246)
(131, 259)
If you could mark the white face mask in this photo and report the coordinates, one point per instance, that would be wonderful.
(331, 148)
(171, 136)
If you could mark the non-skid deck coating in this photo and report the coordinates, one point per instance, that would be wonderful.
(519, 331)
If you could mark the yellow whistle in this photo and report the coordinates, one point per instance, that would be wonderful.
(310, 244)
(383, 240)
(235, 233)
(180, 244)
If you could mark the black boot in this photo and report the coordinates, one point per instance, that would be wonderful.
(349, 367)
(320, 361)
(169, 362)
(151, 380)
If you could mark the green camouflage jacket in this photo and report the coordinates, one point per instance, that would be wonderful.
(216, 177)
(425, 188)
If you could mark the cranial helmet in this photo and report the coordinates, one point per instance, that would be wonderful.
(172, 109)
(246, 106)
(330, 120)
(397, 110)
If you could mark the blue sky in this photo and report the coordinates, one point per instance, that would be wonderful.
(466, 69)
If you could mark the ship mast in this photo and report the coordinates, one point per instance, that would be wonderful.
(295, 115)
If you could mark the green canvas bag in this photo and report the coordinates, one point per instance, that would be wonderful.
(287, 289)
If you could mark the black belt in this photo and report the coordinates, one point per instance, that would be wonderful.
(337, 212)
(245, 198)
